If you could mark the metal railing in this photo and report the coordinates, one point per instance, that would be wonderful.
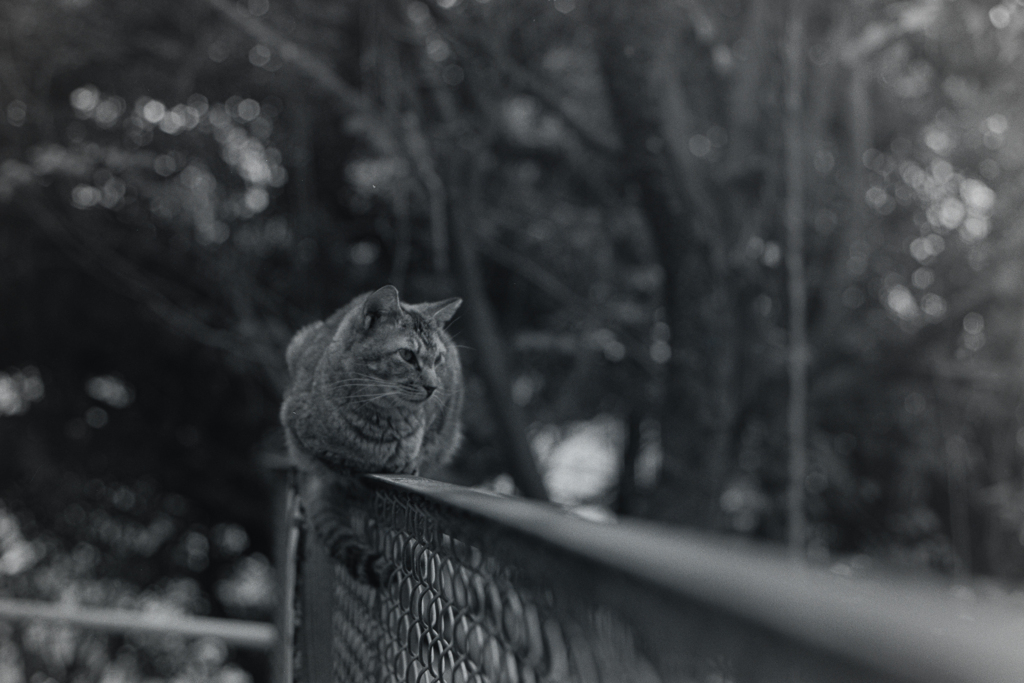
(255, 635)
(490, 589)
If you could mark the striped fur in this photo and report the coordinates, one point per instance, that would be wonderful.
(374, 388)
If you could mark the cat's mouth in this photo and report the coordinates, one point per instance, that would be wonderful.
(422, 394)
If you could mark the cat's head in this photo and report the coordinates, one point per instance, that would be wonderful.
(395, 352)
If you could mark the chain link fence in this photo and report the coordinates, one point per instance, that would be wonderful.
(488, 589)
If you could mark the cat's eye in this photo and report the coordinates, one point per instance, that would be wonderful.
(407, 355)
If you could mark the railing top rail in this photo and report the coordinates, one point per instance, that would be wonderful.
(912, 629)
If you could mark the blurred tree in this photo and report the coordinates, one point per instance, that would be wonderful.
(607, 184)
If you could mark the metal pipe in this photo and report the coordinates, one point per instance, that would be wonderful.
(254, 635)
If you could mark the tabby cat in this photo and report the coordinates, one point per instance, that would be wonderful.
(374, 388)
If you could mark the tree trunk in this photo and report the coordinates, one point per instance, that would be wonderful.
(796, 280)
(483, 329)
(630, 37)
(626, 494)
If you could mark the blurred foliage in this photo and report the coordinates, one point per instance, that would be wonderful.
(183, 184)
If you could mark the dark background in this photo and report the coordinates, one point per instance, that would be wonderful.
(743, 269)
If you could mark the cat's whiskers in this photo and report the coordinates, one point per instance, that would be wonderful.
(358, 400)
(373, 383)
(376, 391)
(362, 375)
(358, 383)
(361, 378)
(365, 390)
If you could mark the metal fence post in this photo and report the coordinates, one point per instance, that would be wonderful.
(315, 662)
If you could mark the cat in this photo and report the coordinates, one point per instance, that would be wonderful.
(375, 388)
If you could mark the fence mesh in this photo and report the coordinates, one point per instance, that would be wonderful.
(472, 600)
(458, 606)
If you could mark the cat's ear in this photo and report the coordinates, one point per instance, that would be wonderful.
(441, 311)
(383, 302)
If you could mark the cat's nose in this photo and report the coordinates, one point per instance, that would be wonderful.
(430, 390)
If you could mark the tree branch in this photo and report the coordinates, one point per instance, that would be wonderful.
(347, 96)
(530, 83)
(535, 274)
(418, 149)
(110, 267)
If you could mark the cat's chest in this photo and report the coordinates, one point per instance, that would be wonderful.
(408, 451)
(400, 444)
